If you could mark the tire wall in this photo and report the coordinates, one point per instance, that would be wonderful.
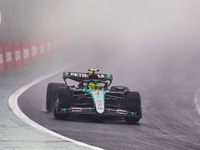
(30, 30)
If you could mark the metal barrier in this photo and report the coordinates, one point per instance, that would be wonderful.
(24, 35)
(18, 54)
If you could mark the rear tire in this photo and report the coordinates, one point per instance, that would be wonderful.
(50, 96)
(132, 103)
(63, 100)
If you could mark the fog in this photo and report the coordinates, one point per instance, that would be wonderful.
(150, 46)
(134, 27)
(136, 37)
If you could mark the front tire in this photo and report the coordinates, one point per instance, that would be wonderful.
(63, 100)
(50, 96)
(132, 103)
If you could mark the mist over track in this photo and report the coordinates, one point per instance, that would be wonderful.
(150, 46)
(170, 119)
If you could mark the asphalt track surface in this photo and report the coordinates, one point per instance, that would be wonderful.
(170, 118)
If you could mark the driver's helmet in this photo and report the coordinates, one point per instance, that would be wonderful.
(92, 86)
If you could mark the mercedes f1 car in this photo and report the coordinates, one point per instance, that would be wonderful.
(92, 96)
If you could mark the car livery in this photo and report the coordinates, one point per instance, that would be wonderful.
(92, 96)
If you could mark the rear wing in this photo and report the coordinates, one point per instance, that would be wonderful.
(79, 76)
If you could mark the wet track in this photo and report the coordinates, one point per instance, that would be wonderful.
(170, 118)
(152, 47)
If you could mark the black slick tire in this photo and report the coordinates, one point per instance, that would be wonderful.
(63, 100)
(132, 103)
(50, 95)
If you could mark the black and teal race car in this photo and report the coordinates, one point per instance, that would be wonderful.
(92, 96)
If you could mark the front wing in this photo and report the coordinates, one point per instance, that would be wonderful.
(92, 111)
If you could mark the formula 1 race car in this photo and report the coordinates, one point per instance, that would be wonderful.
(92, 96)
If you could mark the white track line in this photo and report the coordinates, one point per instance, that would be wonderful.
(197, 100)
(15, 108)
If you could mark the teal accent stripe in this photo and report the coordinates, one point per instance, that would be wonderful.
(66, 73)
(119, 87)
(89, 92)
(106, 92)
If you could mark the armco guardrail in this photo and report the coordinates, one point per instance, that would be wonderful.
(18, 54)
